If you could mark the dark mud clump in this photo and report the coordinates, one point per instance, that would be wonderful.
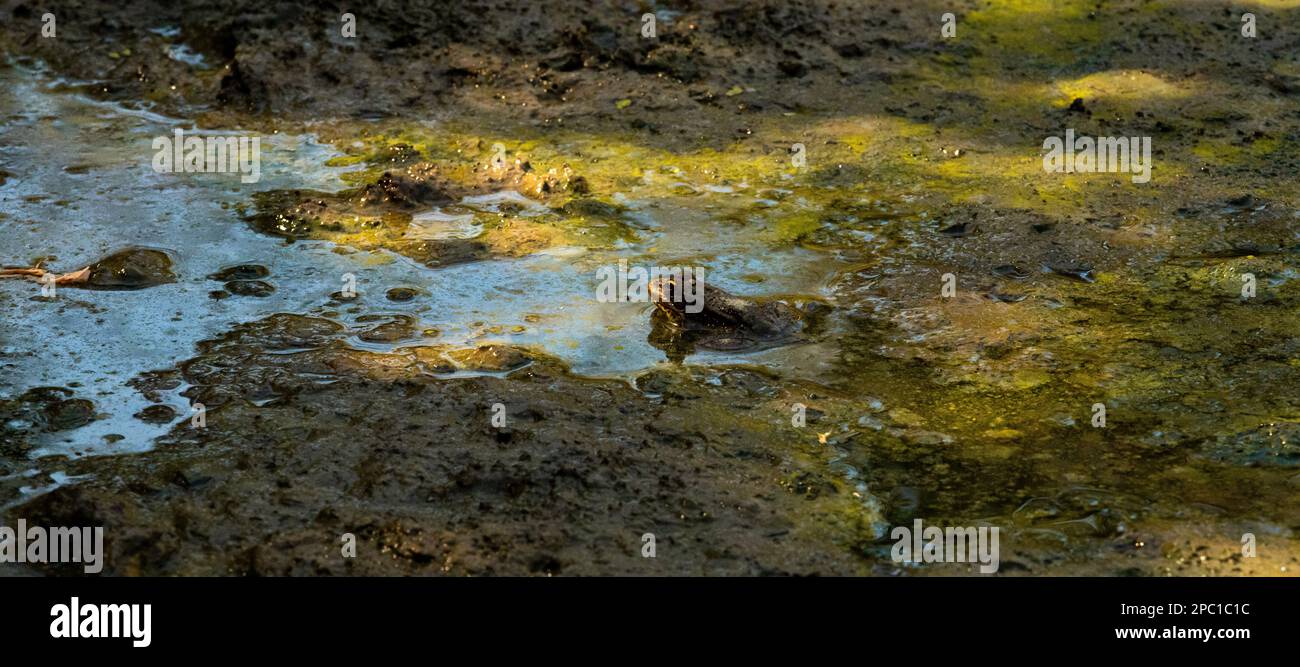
(401, 294)
(241, 272)
(157, 414)
(40, 409)
(391, 328)
(133, 268)
(256, 288)
(68, 414)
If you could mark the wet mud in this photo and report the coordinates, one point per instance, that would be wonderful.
(472, 165)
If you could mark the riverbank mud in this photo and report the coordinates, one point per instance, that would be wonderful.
(334, 345)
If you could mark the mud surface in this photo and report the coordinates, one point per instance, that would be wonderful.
(471, 165)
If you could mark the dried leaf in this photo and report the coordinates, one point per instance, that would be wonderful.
(78, 277)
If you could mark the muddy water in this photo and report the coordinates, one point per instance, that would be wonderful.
(83, 187)
(97, 158)
(975, 409)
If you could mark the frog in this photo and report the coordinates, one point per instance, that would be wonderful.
(689, 316)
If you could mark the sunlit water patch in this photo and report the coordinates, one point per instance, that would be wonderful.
(82, 186)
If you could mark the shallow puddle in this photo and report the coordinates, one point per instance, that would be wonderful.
(978, 405)
(113, 199)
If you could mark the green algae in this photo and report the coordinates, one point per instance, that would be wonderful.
(988, 405)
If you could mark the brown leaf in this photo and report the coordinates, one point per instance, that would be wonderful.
(78, 277)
